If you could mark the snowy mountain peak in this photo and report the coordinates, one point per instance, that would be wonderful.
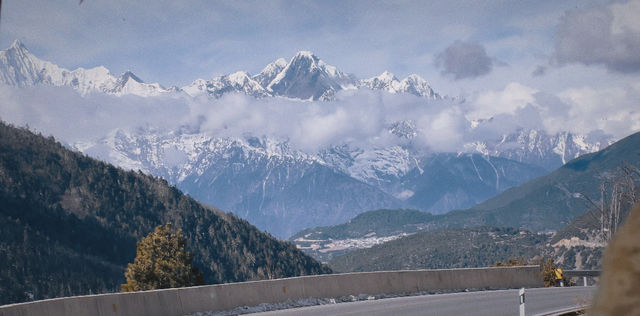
(305, 54)
(413, 84)
(270, 72)
(280, 62)
(124, 78)
(414, 78)
(99, 70)
(18, 67)
(238, 82)
(239, 77)
(387, 76)
(304, 76)
(307, 60)
(537, 147)
(309, 78)
(385, 81)
(129, 83)
(17, 45)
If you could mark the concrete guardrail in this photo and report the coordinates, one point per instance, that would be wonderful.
(220, 297)
(581, 273)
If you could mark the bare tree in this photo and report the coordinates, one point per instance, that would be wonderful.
(618, 193)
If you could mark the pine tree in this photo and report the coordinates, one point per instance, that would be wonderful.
(161, 262)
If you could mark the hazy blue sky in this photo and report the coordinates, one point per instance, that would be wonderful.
(561, 65)
(175, 42)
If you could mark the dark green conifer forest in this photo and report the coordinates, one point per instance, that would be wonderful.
(69, 225)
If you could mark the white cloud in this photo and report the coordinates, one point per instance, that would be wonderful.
(613, 110)
(578, 110)
(63, 113)
(514, 96)
(360, 118)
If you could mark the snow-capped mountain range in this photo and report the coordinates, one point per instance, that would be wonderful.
(275, 187)
(283, 189)
(304, 77)
(539, 148)
(413, 84)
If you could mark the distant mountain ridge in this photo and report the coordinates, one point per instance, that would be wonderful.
(276, 187)
(18, 67)
(264, 171)
(304, 77)
(548, 203)
(539, 148)
(533, 205)
(283, 190)
(255, 177)
(551, 201)
(413, 84)
(307, 77)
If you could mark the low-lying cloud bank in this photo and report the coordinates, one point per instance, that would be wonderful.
(359, 117)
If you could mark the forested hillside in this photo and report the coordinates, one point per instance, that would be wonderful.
(381, 222)
(586, 200)
(69, 225)
(444, 249)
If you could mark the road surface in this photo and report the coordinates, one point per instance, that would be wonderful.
(502, 302)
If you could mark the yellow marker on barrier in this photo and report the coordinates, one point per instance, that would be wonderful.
(559, 276)
(558, 272)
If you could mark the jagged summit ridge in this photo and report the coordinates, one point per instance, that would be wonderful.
(412, 84)
(256, 177)
(537, 147)
(129, 75)
(305, 76)
(308, 77)
(238, 82)
(270, 72)
(18, 67)
(17, 44)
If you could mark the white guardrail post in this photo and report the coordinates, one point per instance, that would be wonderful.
(521, 293)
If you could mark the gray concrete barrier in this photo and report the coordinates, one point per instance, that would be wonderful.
(182, 301)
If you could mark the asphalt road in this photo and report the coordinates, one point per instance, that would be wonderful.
(502, 302)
